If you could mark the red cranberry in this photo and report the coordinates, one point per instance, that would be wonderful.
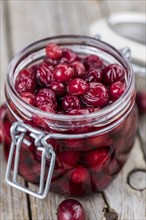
(70, 102)
(77, 86)
(112, 73)
(93, 61)
(44, 74)
(95, 157)
(116, 90)
(46, 97)
(53, 51)
(58, 88)
(63, 73)
(141, 101)
(97, 95)
(80, 175)
(70, 209)
(28, 97)
(70, 158)
(82, 111)
(47, 108)
(25, 81)
(69, 55)
(79, 68)
(93, 75)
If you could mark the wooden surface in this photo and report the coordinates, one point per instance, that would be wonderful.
(23, 22)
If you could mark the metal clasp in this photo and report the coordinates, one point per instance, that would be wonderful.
(18, 132)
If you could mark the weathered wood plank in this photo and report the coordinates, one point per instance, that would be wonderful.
(10, 205)
(3, 54)
(129, 203)
(49, 18)
(13, 203)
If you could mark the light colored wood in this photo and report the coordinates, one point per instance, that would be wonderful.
(13, 203)
(46, 209)
(49, 18)
(3, 53)
(128, 203)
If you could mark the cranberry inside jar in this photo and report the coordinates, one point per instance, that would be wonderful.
(81, 91)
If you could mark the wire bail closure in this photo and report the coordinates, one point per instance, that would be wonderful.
(18, 132)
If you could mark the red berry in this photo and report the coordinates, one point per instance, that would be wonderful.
(44, 74)
(79, 68)
(3, 110)
(112, 73)
(97, 95)
(46, 97)
(95, 157)
(69, 55)
(70, 102)
(63, 73)
(116, 90)
(47, 108)
(82, 111)
(141, 101)
(53, 51)
(58, 88)
(25, 81)
(28, 97)
(70, 209)
(70, 158)
(93, 61)
(93, 75)
(79, 175)
(77, 86)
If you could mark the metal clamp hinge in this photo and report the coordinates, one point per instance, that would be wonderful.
(18, 132)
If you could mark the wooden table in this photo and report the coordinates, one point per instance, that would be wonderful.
(24, 22)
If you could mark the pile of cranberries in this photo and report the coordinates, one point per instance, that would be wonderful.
(66, 83)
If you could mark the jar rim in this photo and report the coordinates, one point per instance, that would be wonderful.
(122, 101)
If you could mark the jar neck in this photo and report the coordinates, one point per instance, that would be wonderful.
(109, 116)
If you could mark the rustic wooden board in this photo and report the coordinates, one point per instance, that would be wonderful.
(126, 201)
(3, 54)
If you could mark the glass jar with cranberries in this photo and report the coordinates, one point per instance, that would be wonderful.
(77, 94)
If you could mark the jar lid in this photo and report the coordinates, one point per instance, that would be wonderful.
(124, 29)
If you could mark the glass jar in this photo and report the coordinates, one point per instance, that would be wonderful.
(79, 154)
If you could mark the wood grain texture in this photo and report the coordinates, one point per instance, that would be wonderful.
(49, 18)
(128, 203)
(13, 203)
(3, 53)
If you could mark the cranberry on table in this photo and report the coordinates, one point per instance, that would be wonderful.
(46, 96)
(93, 75)
(63, 73)
(77, 86)
(70, 102)
(44, 74)
(58, 88)
(28, 97)
(53, 51)
(70, 209)
(116, 90)
(97, 95)
(112, 73)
